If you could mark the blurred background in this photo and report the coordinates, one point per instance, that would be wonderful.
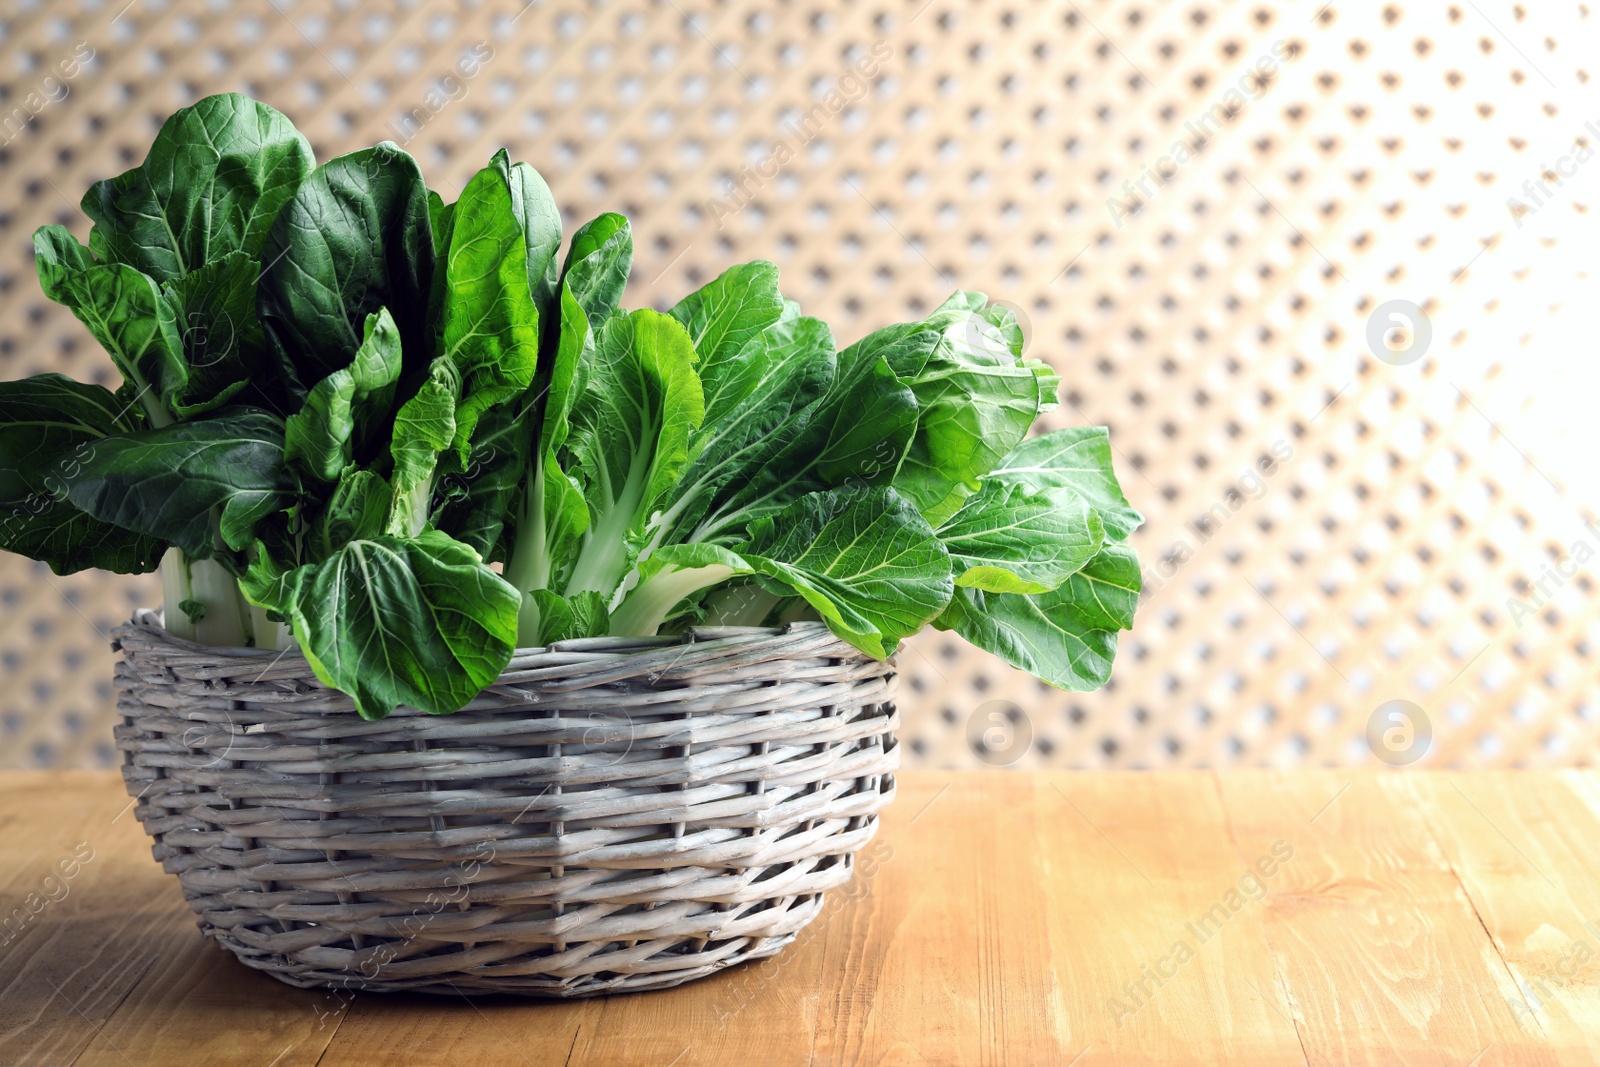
(1323, 268)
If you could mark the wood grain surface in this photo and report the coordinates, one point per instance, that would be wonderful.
(1248, 917)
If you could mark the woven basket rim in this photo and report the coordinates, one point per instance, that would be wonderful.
(561, 666)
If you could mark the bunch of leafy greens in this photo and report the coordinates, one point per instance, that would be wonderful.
(410, 436)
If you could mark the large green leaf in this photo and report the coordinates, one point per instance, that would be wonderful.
(1079, 460)
(178, 482)
(50, 426)
(321, 438)
(630, 435)
(356, 236)
(471, 504)
(125, 312)
(56, 256)
(213, 181)
(863, 558)
(723, 316)
(787, 371)
(1067, 637)
(540, 220)
(975, 402)
(599, 260)
(414, 621)
(357, 511)
(508, 466)
(491, 326)
(1012, 538)
(856, 434)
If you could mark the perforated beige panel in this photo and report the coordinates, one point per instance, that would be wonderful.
(1371, 521)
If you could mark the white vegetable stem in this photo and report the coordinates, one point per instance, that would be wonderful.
(226, 619)
(645, 609)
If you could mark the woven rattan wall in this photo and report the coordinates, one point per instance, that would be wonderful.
(1404, 528)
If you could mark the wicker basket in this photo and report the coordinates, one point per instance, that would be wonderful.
(612, 814)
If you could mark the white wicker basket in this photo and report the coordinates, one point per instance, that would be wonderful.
(612, 814)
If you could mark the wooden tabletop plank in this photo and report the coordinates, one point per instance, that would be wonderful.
(1524, 849)
(997, 918)
(73, 947)
(1380, 955)
(117, 972)
(1129, 872)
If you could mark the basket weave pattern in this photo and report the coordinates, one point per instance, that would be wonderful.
(612, 814)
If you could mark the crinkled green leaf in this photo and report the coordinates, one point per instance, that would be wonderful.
(356, 236)
(630, 435)
(548, 513)
(165, 482)
(490, 324)
(1078, 459)
(221, 338)
(1066, 637)
(856, 433)
(563, 619)
(863, 558)
(722, 317)
(599, 260)
(357, 511)
(540, 221)
(424, 427)
(414, 621)
(57, 255)
(788, 369)
(50, 426)
(126, 313)
(975, 403)
(214, 179)
(320, 439)
(1013, 538)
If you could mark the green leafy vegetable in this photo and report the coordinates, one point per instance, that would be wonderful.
(416, 621)
(50, 426)
(355, 237)
(214, 180)
(200, 485)
(342, 395)
(1067, 637)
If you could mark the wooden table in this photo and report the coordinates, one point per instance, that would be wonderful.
(1062, 918)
